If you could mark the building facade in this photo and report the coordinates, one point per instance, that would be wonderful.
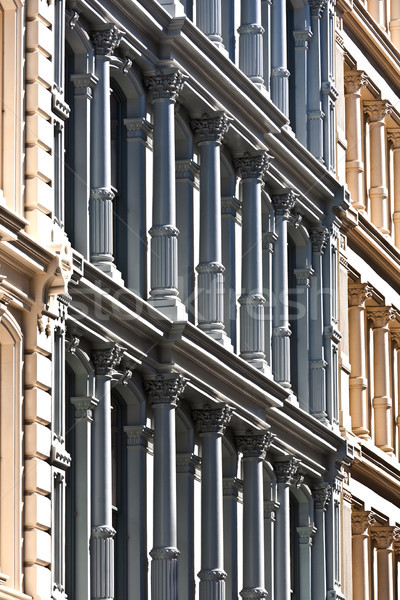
(199, 300)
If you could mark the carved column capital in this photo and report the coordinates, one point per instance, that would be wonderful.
(138, 435)
(84, 84)
(358, 293)
(167, 84)
(395, 334)
(317, 7)
(165, 388)
(105, 42)
(306, 535)
(354, 80)
(211, 127)
(394, 138)
(319, 239)
(376, 110)
(360, 521)
(286, 470)
(254, 443)
(322, 493)
(84, 407)
(107, 359)
(284, 203)
(384, 536)
(252, 165)
(380, 316)
(212, 420)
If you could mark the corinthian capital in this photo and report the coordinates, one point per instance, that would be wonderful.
(381, 315)
(286, 470)
(317, 7)
(105, 42)
(376, 110)
(358, 293)
(360, 521)
(322, 493)
(284, 203)
(167, 84)
(213, 420)
(252, 165)
(254, 444)
(165, 388)
(319, 239)
(354, 80)
(107, 359)
(211, 128)
(384, 536)
(394, 138)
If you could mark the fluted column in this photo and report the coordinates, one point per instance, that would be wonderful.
(102, 534)
(251, 41)
(358, 383)
(251, 169)
(212, 423)
(165, 87)
(383, 538)
(322, 495)
(253, 446)
(382, 401)
(360, 523)
(101, 196)
(284, 477)
(314, 113)
(164, 391)
(209, 20)
(283, 204)
(319, 239)
(353, 82)
(279, 72)
(210, 130)
(376, 111)
(306, 535)
(394, 138)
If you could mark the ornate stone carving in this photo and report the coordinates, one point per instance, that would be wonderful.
(103, 531)
(360, 521)
(254, 443)
(211, 267)
(358, 293)
(107, 41)
(252, 165)
(394, 138)
(286, 470)
(166, 388)
(168, 552)
(211, 128)
(384, 536)
(354, 80)
(317, 7)
(165, 85)
(213, 420)
(376, 110)
(212, 575)
(322, 493)
(319, 239)
(106, 360)
(284, 203)
(380, 316)
(101, 194)
(250, 593)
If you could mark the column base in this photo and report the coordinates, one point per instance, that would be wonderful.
(219, 335)
(212, 584)
(109, 268)
(102, 562)
(170, 306)
(174, 8)
(164, 573)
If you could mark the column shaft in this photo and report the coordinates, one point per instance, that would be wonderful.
(302, 45)
(360, 522)
(394, 138)
(353, 81)
(209, 20)
(251, 41)
(305, 544)
(383, 538)
(314, 114)
(321, 494)
(279, 72)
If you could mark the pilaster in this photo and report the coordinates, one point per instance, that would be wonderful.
(302, 39)
(268, 243)
(360, 523)
(322, 496)
(303, 286)
(279, 72)
(305, 537)
(383, 538)
(315, 114)
(394, 139)
(270, 513)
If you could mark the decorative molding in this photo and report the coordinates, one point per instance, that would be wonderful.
(394, 138)
(212, 575)
(101, 193)
(322, 493)
(354, 80)
(105, 42)
(138, 435)
(254, 443)
(211, 128)
(376, 110)
(213, 420)
(253, 593)
(317, 7)
(384, 536)
(188, 463)
(103, 532)
(319, 239)
(286, 470)
(166, 85)
(358, 293)
(284, 203)
(270, 510)
(361, 521)
(306, 535)
(303, 276)
(84, 407)
(168, 552)
(107, 359)
(74, 18)
(269, 239)
(127, 65)
(84, 83)
(302, 38)
(138, 128)
(380, 316)
(165, 388)
(210, 267)
(252, 165)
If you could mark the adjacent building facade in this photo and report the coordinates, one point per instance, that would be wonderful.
(199, 300)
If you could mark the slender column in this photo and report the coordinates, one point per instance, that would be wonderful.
(358, 383)
(395, 334)
(211, 130)
(270, 511)
(303, 286)
(376, 111)
(164, 391)
(319, 239)
(251, 169)
(84, 407)
(383, 538)
(212, 423)
(253, 446)
(360, 522)
(269, 239)
(353, 82)
(138, 439)
(382, 401)
(377, 10)
(266, 23)
(101, 196)
(314, 113)
(283, 204)
(233, 543)
(301, 52)
(165, 87)
(394, 138)
(102, 537)
(284, 476)
(251, 41)
(322, 496)
(279, 72)
(394, 24)
(231, 235)
(306, 535)
(329, 94)
(208, 20)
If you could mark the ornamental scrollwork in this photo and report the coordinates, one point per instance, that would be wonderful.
(213, 420)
